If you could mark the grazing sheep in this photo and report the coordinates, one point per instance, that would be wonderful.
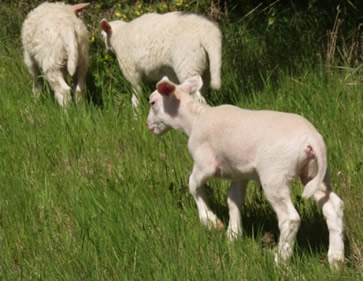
(241, 145)
(177, 44)
(56, 40)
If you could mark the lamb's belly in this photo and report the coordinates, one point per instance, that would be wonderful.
(156, 74)
(236, 173)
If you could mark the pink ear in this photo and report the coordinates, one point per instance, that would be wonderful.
(165, 88)
(106, 26)
(77, 8)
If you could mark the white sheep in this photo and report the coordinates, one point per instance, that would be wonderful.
(55, 40)
(177, 44)
(266, 146)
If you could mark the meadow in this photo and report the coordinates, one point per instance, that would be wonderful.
(90, 194)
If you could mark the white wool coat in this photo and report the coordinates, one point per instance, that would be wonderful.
(240, 145)
(177, 44)
(55, 37)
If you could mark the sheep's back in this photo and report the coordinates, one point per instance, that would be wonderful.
(46, 30)
(153, 40)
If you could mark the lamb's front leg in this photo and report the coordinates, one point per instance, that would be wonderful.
(197, 189)
(236, 196)
(135, 79)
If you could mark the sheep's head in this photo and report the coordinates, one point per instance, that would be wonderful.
(78, 8)
(165, 103)
(106, 33)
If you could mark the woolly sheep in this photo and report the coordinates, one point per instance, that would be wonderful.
(55, 40)
(267, 146)
(177, 44)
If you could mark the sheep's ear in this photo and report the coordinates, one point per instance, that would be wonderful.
(192, 85)
(165, 87)
(77, 8)
(105, 26)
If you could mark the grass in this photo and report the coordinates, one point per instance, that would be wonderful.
(90, 194)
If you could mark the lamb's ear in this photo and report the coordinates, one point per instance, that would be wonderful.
(165, 87)
(192, 85)
(77, 8)
(105, 26)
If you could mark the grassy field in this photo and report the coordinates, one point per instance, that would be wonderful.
(91, 194)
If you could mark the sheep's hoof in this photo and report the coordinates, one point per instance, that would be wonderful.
(211, 224)
(233, 235)
(337, 265)
(219, 225)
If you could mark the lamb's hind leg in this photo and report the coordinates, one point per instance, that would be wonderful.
(333, 209)
(34, 71)
(278, 194)
(184, 71)
(59, 86)
(197, 189)
(79, 83)
(236, 196)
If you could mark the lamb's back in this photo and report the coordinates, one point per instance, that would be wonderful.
(234, 133)
(44, 33)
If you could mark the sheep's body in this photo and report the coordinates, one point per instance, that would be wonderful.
(55, 40)
(241, 145)
(179, 45)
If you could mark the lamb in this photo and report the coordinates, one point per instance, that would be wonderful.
(269, 147)
(55, 40)
(177, 44)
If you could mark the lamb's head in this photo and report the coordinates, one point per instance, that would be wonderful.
(78, 8)
(107, 29)
(165, 103)
(106, 33)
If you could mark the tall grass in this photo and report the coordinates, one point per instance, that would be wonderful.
(90, 194)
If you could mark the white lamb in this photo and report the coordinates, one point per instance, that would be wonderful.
(56, 40)
(177, 44)
(267, 146)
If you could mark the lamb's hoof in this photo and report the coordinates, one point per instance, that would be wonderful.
(211, 224)
(233, 235)
(219, 225)
(337, 265)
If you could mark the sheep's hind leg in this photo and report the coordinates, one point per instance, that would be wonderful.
(79, 83)
(61, 89)
(184, 72)
(236, 196)
(35, 72)
(333, 209)
(278, 195)
(197, 189)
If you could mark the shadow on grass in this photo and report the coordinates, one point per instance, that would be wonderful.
(259, 222)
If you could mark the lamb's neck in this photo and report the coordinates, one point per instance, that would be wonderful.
(189, 111)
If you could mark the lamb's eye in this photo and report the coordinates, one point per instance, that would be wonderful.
(152, 102)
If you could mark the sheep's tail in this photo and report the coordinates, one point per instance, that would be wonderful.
(213, 46)
(317, 148)
(71, 46)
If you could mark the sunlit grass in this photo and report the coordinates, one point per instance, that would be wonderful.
(91, 194)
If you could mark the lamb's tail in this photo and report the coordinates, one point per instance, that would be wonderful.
(317, 148)
(213, 45)
(71, 46)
